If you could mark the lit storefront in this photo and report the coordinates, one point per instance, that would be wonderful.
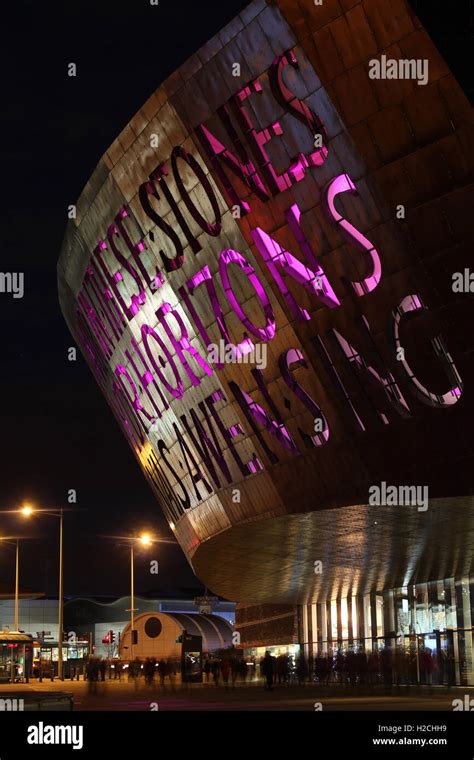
(45, 658)
(434, 617)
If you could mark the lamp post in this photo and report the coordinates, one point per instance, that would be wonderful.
(16, 623)
(17, 573)
(15, 543)
(132, 600)
(27, 511)
(145, 540)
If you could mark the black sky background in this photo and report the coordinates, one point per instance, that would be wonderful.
(57, 431)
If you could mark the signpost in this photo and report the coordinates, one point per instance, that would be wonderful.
(191, 658)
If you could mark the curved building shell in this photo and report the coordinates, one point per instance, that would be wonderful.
(268, 275)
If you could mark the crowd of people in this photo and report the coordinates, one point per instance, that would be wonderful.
(230, 669)
(98, 669)
(351, 667)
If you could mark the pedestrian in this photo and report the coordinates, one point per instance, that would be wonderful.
(302, 669)
(207, 669)
(162, 672)
(234, 669)
(267, 667)
(225, 670)
(216, 668)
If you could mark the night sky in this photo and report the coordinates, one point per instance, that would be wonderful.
(57, 430)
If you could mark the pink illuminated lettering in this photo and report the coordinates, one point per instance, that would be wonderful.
(412, 305)
(94, 354)
(185, 500)
(182, 344)
(259, 138)
(228, 433)
(288, 359)
(204, 276)
(191, 464)
(122, 374)
(148, 332)
(209, 451)
(327, 295)
(171, 502)
(136, 249)
(160, 174)
(170, 263)
(337, 383)
(253, 411)
(234, 257)
(136, 300)
(97, 325)
(241, 167)
(300, 111)
(344, 184)
(105, 297)
(145, 377)
(211, 229)
(276, 256)
(383, 380)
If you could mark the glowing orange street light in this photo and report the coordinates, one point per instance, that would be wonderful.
(27, 510)
(145, 540)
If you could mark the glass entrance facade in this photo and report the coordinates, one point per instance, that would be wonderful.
(426, 630)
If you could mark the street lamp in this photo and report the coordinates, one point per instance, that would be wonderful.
(15, 543)
(145, 540)
(27, 510)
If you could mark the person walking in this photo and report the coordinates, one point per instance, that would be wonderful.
(268, 669)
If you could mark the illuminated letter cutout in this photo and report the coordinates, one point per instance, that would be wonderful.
(300, 111)
(177, 392)
(170, 264)
(121, 372)
(274, 255)
(259, 138)
(211, 229)
(253, 411)
(246, 346)
(227, 257)
(242, 167)
(384, 380)
(410, 305)
(287, 360)
(344, 184)
(182, 344)
(136, 300)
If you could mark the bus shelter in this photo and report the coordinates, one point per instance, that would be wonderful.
(16, 651)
